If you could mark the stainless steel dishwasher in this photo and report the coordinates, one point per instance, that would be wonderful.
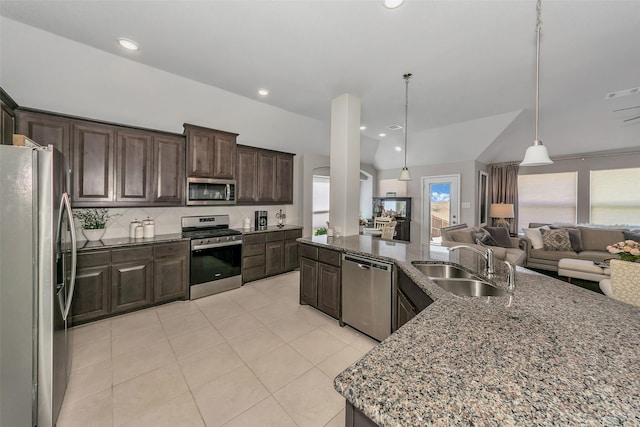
(366, 295)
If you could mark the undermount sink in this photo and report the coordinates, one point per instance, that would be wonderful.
(469, 287)
(443, 271)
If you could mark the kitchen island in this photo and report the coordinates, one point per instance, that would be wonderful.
(549, 354)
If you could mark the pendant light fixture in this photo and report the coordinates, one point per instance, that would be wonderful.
(537, 154)
(404, 175)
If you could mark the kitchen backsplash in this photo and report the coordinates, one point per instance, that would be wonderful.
(167, 220)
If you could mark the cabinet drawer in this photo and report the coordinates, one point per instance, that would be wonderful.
(170, 249)
(252, 261)
(309, 251)
(329, 257)
(251, 239)
(275, 236)
(292, 234)
(131, 254)
(251, 250)
(94, 258)
(252, 273)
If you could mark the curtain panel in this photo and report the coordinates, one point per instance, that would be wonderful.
(504, 189)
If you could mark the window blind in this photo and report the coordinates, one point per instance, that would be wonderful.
(615, 197)
(547, 198)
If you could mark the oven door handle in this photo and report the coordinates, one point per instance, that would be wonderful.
(216, 245)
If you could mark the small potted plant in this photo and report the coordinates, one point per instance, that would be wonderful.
(93, 222)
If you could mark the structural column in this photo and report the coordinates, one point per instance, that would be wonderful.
(344, 207)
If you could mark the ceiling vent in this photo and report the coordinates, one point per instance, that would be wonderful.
(394, 127)
(625, 92)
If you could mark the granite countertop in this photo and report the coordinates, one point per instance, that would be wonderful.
(270, 228)
(84, 245)
(550, 354)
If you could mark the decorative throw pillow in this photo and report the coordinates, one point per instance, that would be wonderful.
(576, 239)
(484, 237)
(500, 235)
(556, 240)
(535, 236)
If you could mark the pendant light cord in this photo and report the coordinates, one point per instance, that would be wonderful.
(406, 78)
(538, 29)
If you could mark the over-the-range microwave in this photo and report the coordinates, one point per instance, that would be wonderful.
(205, 191)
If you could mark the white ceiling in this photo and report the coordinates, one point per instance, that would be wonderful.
(471, 96)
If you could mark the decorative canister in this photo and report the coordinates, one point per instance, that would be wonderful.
(246, 223)
(139, 232)
(132, 228)
(149, 228)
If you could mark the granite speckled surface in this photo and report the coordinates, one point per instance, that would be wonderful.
(85, 245)
(270, 228)
(550, 354)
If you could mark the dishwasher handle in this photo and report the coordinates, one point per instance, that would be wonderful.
(368, 263)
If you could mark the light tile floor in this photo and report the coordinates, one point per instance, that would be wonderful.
(249, 357)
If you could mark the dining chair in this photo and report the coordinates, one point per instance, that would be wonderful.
(389, 230)
(380, 221)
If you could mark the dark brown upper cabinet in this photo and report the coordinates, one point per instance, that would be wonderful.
(264, 176)
(210, 153)
(46, 129)
(134, 152)
(168, 175)
(93, 164)
(284, 178)
(7, 118)
(247, 178)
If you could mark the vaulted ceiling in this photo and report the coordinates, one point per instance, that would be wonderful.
(472, 94)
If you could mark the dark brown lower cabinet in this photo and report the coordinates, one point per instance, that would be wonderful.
(114, 281)
(411, 299)
(320, 279)
(355, 418)
(269, 253)
(91, 296)
(170, 271)
(274, 253)
(329, 289)
(131, 278)
(308, 281)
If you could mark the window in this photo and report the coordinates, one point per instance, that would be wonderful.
(320, 202)
(615, 197)
(547, 197)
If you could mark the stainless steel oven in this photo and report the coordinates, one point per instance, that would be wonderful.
(216, 255)
(205, 191)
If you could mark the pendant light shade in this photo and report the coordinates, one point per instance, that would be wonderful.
(405, 175)
(537, 154)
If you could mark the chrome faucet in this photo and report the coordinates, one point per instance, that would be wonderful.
(487, 254)
(511, 276)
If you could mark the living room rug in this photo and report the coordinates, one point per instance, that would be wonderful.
(592, 286)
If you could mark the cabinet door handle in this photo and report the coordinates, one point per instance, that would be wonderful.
(137, 267)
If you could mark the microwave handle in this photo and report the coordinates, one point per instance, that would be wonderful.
(228, 195)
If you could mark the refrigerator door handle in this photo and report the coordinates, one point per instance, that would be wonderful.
(65, 205)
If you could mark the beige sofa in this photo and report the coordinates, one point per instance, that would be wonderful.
(594, 242)
(462, 234)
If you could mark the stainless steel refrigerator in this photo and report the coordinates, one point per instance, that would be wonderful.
(37, 277)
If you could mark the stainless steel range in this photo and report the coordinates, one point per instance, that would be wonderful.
(216, 254)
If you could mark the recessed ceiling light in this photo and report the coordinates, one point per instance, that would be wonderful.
(398, 148)
(128, 44)
(363, 127)
(263, 92)
(382, 134)
(392, 4)
(394, 127)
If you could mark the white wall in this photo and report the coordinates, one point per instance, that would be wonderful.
(468, 171)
